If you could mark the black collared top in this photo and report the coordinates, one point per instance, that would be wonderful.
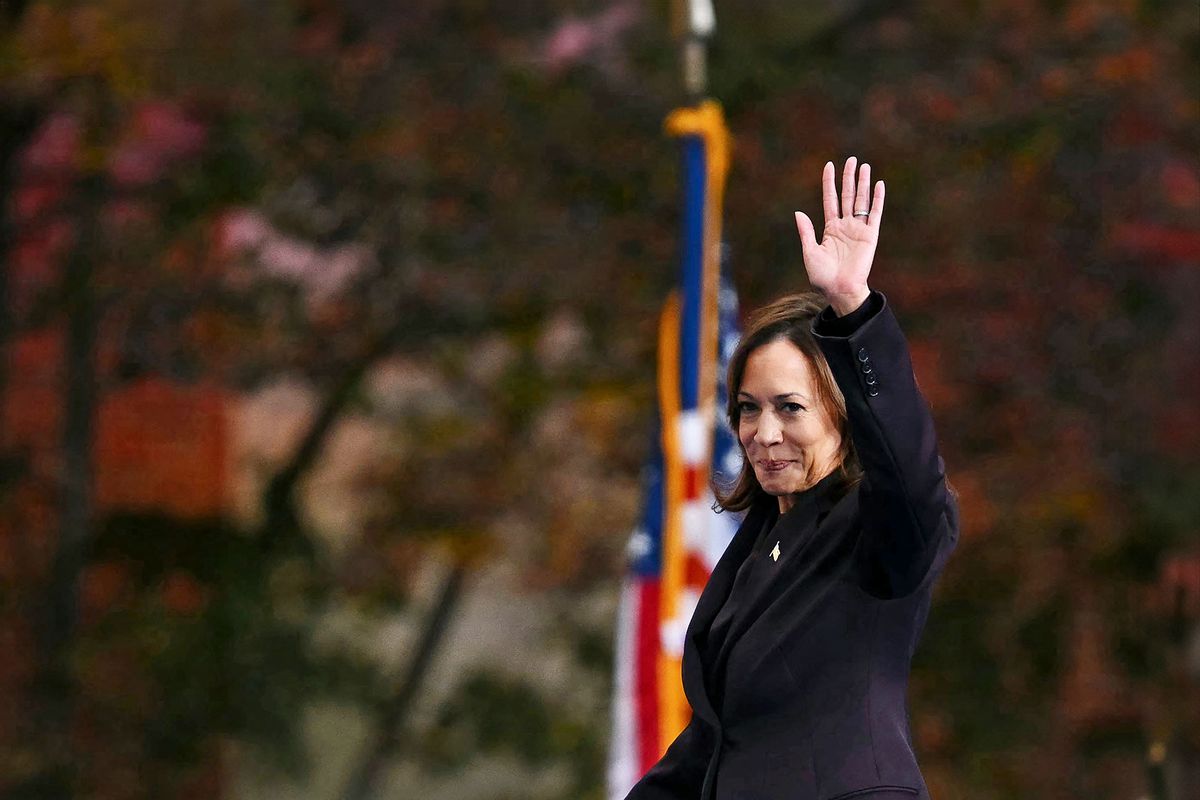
(779, 534)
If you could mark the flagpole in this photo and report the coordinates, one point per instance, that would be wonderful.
(688, 421)
(695, 22)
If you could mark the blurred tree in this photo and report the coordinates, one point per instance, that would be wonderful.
(137, 142)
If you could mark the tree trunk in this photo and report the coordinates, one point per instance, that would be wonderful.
(56, 689)
(363, 781)
(17, 126)
(75, 509)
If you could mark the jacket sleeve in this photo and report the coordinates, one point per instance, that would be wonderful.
(679, 774)
(907, 511)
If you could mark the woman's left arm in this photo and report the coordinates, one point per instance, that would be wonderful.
(906, 507)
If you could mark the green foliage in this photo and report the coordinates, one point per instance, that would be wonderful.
(224, 639)
(1040, 637)
(489, 714)
(228, 174)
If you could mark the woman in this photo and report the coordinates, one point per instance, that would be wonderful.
(797, 657)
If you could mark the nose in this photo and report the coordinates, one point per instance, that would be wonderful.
(769, 431)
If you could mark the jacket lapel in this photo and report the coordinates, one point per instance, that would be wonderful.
(800, 541)
(710, 602)
(799, 529)
(717, 590)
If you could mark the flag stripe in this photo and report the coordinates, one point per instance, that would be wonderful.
(624, 765)
(692, 286)
(697, 571)
(646, 688)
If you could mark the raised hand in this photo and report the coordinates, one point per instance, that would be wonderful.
(838, 267)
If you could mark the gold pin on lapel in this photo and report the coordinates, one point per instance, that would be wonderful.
(775, 552)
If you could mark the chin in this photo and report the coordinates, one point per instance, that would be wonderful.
(776, 487)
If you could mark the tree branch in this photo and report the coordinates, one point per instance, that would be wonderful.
(415, 323)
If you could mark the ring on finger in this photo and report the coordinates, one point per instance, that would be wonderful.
(862, 213)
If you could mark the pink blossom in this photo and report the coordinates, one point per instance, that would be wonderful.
(36, 199)
(568, 44)
(168, 130)
(321, 272)
(242, 229)
(288, 257)
(55, 146)
(158, 136)
(594, 39)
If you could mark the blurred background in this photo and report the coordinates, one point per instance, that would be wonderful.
(329, 329)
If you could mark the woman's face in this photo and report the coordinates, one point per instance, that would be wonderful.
(788, 436)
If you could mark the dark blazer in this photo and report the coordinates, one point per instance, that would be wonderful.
(799, 692)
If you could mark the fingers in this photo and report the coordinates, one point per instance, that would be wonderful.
(862, 199)
(855, 195)
(808, 236)
(876, 206)
(829, 199)
(848, 187)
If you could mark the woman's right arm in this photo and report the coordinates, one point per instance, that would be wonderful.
(907, 511)
(679, 774)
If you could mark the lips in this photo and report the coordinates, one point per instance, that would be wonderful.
(774, 466)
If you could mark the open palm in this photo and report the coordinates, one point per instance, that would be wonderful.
(838, 266)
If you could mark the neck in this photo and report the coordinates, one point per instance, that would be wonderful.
(788, 501)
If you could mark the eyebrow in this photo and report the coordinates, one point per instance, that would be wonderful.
(778, 397)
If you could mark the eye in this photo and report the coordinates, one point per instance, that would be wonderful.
(745, 408)
(791, 408)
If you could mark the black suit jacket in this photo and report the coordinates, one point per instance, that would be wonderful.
(814, 672)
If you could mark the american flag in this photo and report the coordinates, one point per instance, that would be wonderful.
(679, 537)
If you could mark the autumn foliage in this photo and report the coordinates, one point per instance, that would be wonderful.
(305, 305)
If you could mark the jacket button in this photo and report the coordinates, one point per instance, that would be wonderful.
(872, 380)
(866, 368)
(862, 354)
(873, 390)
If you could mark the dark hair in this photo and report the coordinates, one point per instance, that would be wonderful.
(789, 318)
